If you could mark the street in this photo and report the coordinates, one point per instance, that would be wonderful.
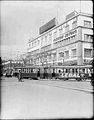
(40, 99)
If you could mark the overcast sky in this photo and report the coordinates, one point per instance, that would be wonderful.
(20, 20)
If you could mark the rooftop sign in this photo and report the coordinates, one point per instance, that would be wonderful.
(72, 14)
(47, 26)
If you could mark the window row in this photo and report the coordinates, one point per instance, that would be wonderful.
(64, 29)
(65, 41)
(34, 43)
(88, 37)
(87, 24)
(46, 39)
(65, 55)
(88, 53)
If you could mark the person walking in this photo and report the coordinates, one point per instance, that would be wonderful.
(20, 76)
(38, 74)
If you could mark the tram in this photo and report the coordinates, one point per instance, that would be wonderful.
(9, 72)
(78, 73)
(27, 72)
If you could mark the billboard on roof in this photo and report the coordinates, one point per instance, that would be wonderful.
(47, 26)
(72, 14)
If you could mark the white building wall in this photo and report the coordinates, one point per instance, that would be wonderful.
(82, 18)
(86, 31)
(80, 36)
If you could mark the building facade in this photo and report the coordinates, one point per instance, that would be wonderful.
(70, 43)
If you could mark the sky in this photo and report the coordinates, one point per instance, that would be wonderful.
(20, 21)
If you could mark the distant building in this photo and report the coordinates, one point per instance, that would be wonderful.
(69, 43)
(12, 63)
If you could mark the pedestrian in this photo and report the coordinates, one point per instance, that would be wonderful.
(20, 76)
(53, 74)
(38, 74)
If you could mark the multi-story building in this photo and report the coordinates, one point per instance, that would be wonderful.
(69, 43)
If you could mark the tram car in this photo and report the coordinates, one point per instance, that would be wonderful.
(26, 72)
(78, 73)
(9, 72)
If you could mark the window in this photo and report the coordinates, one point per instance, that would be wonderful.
(66, 54)
(66, 28)
(32, 44)
(61, 55)
(69, 40)
(29, 44)
(60, 31)
(41, 41)
(55, 34)
(73, 37)
(38, 42)
(74, 24)
(54, 56)
(87, 53)
(49, 58)
(45, 39)
(87, 24)
(50, 37)
(73, 53)
(88, 38)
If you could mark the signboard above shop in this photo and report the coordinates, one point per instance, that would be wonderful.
(47, 26)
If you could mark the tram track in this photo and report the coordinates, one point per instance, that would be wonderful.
(65, 87)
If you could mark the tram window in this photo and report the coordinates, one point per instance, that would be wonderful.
(31, 70)
(66, 70)
(76, 70)
(72, 70)
(83, 70)
(27, 70)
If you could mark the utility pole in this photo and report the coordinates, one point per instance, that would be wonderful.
(80, 5)
(57, 14)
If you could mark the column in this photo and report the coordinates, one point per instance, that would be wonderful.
(79, 54)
